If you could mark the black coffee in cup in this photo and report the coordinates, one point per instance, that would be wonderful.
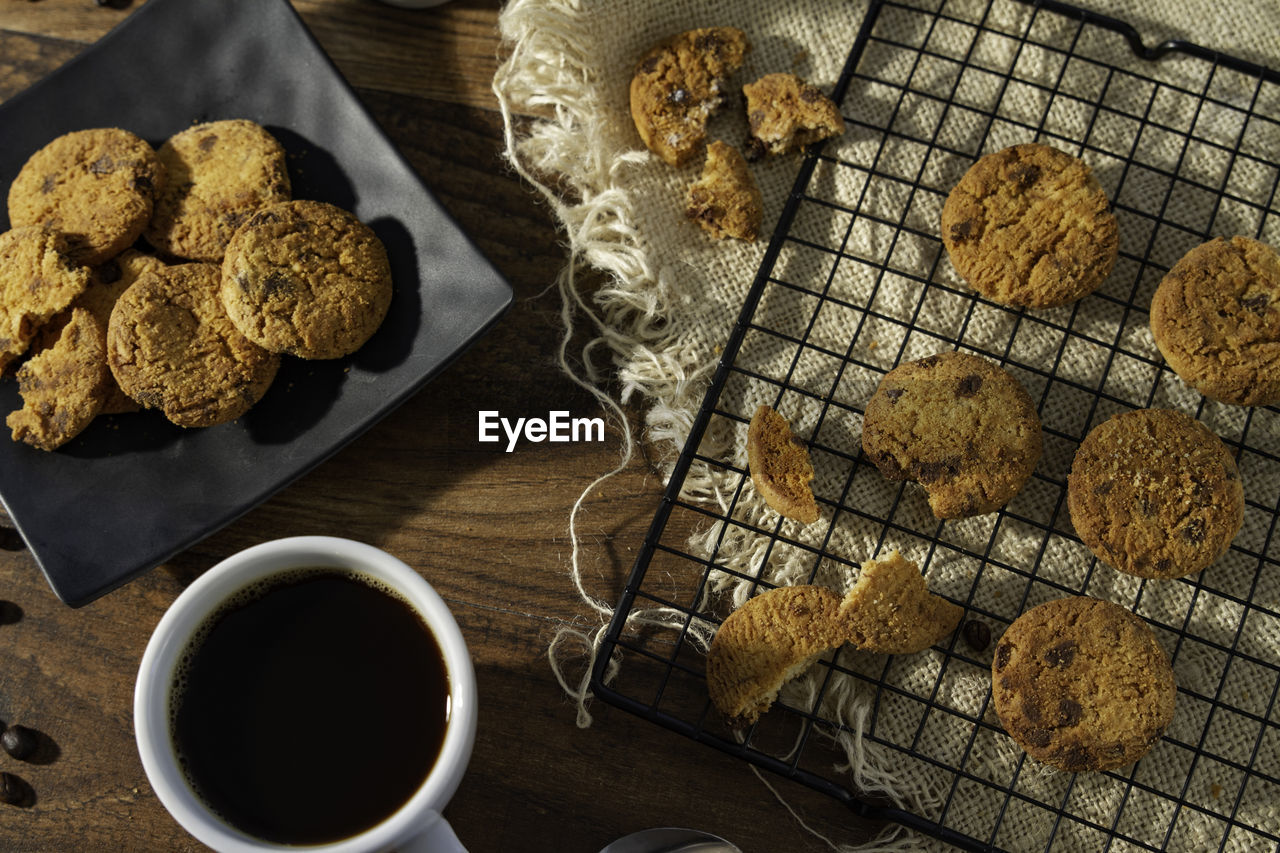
(310, 708)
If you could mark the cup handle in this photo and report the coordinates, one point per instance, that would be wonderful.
(434, 836)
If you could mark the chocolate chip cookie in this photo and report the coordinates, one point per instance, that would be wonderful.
(678, 84)
(1155, 493)
(172, 347)
(1082, 684)
(37, 281)
(772, 638)
(1216, 319)
(306, 278)
(96, 187)
(725, 201)
(219, 172)
(959, 425)
(63, 386)
(784, 113)
(1030, 226)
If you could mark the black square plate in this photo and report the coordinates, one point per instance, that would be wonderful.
(132, 490)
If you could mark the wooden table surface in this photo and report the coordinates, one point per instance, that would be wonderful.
(486, 527)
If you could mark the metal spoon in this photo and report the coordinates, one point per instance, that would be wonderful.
(669, 839)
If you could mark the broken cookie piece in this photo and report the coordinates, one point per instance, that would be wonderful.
(106, 283)
(725, 201)
(787, 114)
(775, 636)
(38, 280)
(766, 642)
(890, 609)
(63, 386)
(780, 466)
(678, 84)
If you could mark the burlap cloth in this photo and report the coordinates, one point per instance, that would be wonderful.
(670, 296)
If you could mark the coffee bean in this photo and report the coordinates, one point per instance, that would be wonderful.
(11, 540)
(977, 635)
(9, 613)
(13, 790)
(19, 741)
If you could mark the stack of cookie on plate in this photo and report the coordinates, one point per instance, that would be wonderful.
(1078, 682)
(172, 278)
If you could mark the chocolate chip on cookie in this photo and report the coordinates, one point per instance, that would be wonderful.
(1030, 226)
(1216, 319)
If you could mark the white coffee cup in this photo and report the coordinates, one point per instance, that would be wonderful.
(415, 827)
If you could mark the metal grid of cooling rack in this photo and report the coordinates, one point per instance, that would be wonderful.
(1187, 144)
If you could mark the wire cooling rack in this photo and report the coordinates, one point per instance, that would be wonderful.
(855, 280)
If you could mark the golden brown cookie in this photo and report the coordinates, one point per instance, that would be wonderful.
(780, 466)
(726, 201)
(106, 283)
(172, 347)
(785, 114)
(769, 640)
(63, 386)
(1030, 226)
(959, 425)
(1216, 319)
(306, 278)
(1155, 493)
(219, 172)
(678, 84)
(37, 280)
(890, 609)
(1082, 684)
(96, 187)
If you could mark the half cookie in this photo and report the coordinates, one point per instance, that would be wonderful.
(780, 466)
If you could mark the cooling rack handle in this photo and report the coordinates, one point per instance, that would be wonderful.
(1159, 51)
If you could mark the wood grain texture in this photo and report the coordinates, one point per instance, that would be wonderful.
(487, 528)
